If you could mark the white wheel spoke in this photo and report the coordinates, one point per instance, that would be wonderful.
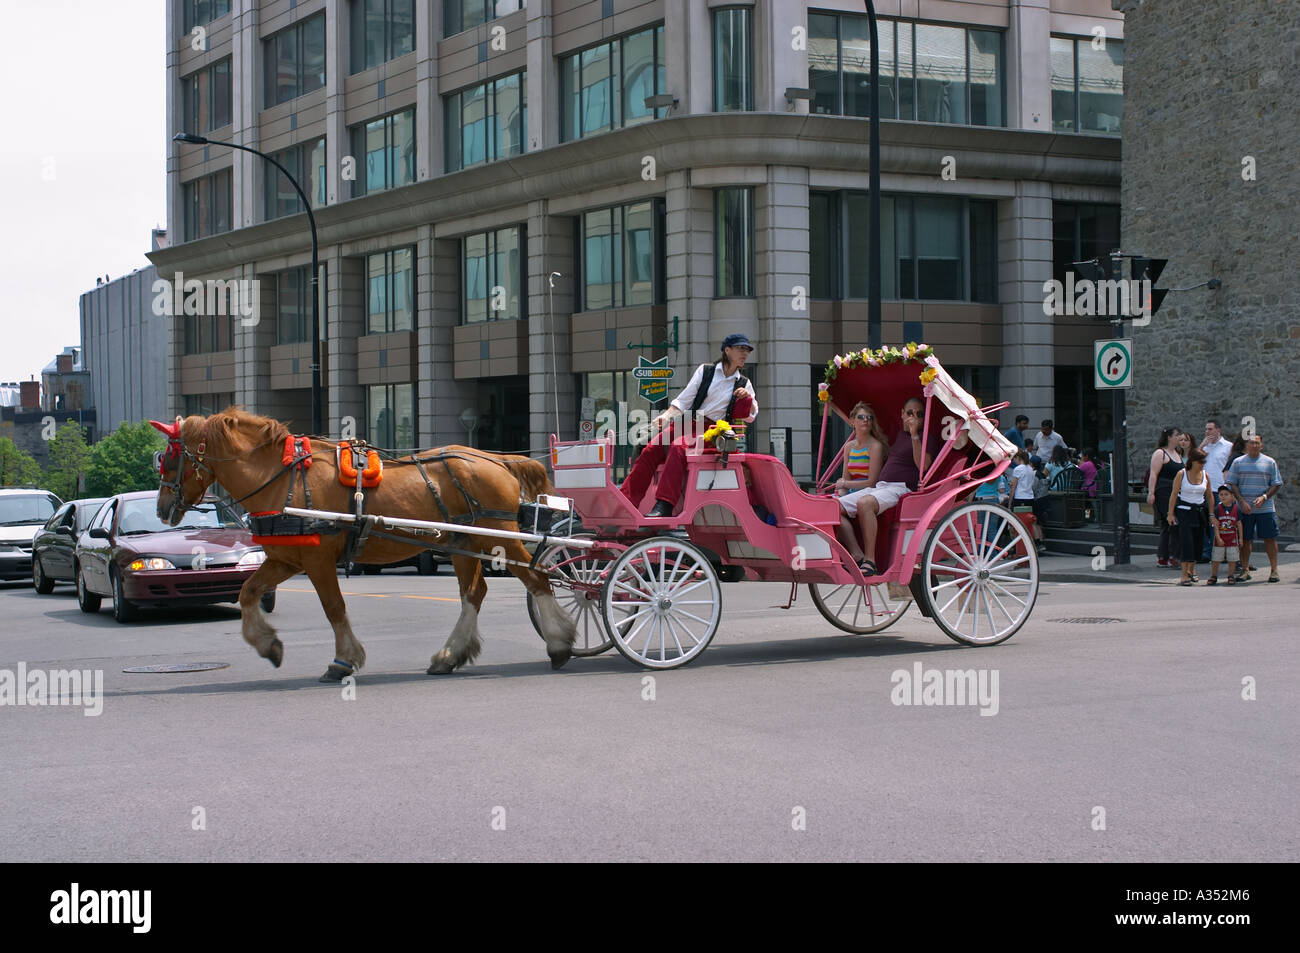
(960, 560)
(672, 594)
(1011, 595)
(1002, 577)
(692, 615)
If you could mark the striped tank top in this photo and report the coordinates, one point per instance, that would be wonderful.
(859, 463)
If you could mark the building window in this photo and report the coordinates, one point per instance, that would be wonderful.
(462, 15)
(390, 413)
(605, 87)
(294, 61)
(1081, 233)
(387, 146)
(205, 405)
(487, 122)
(202, 12)
(928, 72)
(205, 98)
(306, 163)
(621, 256)
(1087, 86)
(935, 248)
(733, 243)
(390, 291)
(382, 30)
(207, 334)
(733, 60)
(492, 276)
(206, 202)
(293, 305)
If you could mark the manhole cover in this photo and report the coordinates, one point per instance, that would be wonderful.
(182, 667)
(1087, 621)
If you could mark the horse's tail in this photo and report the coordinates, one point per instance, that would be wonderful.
(531, 475)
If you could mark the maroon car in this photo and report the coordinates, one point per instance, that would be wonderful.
(129, 555)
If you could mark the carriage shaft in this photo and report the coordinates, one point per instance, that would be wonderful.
(394, 522)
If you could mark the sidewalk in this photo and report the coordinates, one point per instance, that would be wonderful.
(1143, 568)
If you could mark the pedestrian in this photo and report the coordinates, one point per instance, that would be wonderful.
(1227, 536)
(1186, 510)
(1059, 461)
(1165, 464)
(1017, 433)
(1022, 492)
(1217, 448)
(716, 390)
(1088, 468)
(1254, 480)
(1047, 440)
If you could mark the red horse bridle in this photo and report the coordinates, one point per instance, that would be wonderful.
(178, 450)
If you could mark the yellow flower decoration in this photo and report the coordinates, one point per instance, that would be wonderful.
(928, 375)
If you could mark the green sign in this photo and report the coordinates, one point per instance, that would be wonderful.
(653, 378)
(1113, 363)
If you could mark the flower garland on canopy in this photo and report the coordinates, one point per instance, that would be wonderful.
(911, 351)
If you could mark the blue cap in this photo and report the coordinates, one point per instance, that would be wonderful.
(736, 340)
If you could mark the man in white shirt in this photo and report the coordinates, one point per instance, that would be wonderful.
(1217, 448)
(724, 387)
(1047, 440)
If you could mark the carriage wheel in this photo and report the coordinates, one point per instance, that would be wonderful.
(980, 574)
(580, 596)
(858, 609)
(662, 602)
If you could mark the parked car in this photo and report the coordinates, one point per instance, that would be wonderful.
(55, 541)
(23, 511)
(129, 555)
(426, 564)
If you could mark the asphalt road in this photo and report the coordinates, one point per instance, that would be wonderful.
(780, 742)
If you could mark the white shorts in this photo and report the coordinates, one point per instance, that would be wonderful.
(887, 496)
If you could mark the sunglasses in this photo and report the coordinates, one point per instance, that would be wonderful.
(863, 417)
(913, 413)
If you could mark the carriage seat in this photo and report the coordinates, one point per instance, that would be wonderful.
(772, 485)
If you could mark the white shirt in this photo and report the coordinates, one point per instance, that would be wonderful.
(1043, 446)
(1024, 476)
(1216, 455)
(715, 404)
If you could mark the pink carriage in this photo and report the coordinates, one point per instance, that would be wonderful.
(650, 588)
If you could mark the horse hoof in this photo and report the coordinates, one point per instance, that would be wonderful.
(275, 654)
(335, 673)
(441, 667)
(559, 658)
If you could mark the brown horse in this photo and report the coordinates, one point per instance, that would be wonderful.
(245, 453)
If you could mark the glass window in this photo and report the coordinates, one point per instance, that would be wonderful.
(390, 413)
(293, 304)
(621, 251)
(492, 276)
(1087, 86)
(306, 163)
(387, 150)
(486, 123)
(605, 87)
(733, 231)
(205, 98)
(381, 30)
(598, 251)
(984, 54)
(823, 248)
(1080, 233)
(390, 291)
(733, 62)
(824, 63)
(202, 12)
(293, 61)
(940, 73)
(1063, 111)
(206, 203)
(462, 15)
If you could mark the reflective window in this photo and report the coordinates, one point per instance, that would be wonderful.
(928, 72)
(382, 30)
(733, 243)
(206, 203)
(605, 87)
(462, 15)
(293, 61)
(306, 163)
(205, 98)
(293, 304)
(390, 413)
(202, 12)
(492, 276)
(733, 59)
(385, 151)
(1080, 233)
(1087, 85)
(390, 291)
(621, 256)
(487, 122)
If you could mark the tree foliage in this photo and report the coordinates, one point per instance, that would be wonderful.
(69, 457)
(17, 467)
(123, 461)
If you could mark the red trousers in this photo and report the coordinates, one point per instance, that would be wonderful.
(673, 477)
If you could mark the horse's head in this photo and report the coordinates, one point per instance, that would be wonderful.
(184, 475)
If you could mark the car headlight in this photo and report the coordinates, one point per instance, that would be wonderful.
(254, 557)
(153, 562)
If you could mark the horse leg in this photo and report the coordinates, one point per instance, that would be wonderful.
(349, 654)
(258, 632)
(557, 627)
(464, 644)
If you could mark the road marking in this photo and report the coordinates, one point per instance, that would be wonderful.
(376, 595)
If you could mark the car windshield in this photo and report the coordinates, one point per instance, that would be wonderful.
(141, 516)
(16, 510)
(87, 510)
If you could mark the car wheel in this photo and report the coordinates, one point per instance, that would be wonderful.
(371, 570)
(87, 600)
(123, 611)
(268, 601)
(426, 565)
(42, 583)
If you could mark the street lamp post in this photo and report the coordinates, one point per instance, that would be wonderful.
(874, 326)
(317, 415)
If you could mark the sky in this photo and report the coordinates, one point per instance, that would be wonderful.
(83, 153)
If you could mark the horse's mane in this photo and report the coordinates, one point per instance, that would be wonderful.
(239, 431)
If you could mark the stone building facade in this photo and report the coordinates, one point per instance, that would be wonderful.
(1211, 181)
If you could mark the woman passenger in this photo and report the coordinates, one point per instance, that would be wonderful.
(864, 454)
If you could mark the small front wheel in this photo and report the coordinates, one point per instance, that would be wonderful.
(662, 602)
(860, 610)
(577, 577)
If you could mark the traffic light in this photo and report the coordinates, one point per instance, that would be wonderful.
(1094, 269)
(1149, 269)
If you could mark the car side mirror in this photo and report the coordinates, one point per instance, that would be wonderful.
(98, 532)
(63, 530)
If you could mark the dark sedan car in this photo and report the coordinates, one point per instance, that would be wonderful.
(131, 556)
(52, 548)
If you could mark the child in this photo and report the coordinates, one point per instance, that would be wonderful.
(1022, 492)
(1227, 532)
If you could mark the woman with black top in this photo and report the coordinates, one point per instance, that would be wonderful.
(1165, 464)
(1187, 511)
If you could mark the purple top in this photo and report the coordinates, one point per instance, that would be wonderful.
(899, 466)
